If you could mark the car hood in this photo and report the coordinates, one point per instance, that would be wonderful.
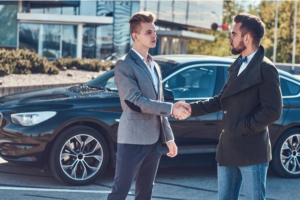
(54, 94)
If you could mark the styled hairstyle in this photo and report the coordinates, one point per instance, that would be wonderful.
(251, 24)
(139, 17)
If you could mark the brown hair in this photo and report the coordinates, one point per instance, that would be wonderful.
(251, 24)
(137, 18)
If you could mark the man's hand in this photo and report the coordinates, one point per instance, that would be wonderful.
(181, 110)
(172, 149)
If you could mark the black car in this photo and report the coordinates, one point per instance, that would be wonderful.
(73, 129)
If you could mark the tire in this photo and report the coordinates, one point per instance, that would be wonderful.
(79, 164)
(286, 154)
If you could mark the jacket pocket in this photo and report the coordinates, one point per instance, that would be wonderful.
(242, 130)
(138, 116)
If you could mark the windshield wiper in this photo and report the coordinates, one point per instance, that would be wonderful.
(99, 87)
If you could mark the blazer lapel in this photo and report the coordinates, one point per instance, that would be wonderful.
(157, 69)
(140, 63)
(249, 77)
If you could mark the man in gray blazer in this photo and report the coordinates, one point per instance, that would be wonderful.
(144, 124)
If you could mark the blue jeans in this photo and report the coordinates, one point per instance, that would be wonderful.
(253, 178)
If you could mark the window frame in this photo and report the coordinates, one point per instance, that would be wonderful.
(293, 81)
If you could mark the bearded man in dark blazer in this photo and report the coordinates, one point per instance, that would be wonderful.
(251, 100)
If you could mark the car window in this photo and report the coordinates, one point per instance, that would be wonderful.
(166, 66)
(196, 82)
(289, 88)
(226, 73)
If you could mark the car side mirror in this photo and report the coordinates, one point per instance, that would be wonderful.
(169, 95)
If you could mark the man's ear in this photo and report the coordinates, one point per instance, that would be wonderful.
(246, 38)
(134, 36)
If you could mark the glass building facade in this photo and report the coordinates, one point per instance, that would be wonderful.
(9, 24)
(98, 29)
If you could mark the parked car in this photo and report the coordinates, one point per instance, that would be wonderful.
(73, 129)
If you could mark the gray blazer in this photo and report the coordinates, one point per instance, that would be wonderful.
(144, 116)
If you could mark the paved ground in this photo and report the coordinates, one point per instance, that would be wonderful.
(69, 76)
(176, 183)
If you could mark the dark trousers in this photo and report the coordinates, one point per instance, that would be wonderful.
(132, 161)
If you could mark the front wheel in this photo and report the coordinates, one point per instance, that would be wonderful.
(286, 154)
(78, 156)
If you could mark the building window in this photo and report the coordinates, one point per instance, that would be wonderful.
(89, 42)
(164, 45)
(51, 7)
(49, 40)
(105, 8)
(49, 46)
(29, 36)
(121, 30)
(69, 41)
(104, 42)
(175, 46)
(8, 21)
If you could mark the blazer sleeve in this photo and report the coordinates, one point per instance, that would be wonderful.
(130, 93)
(167, 129)
(271, 104)
(211, 105)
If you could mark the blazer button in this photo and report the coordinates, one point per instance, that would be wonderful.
(225, 112)
(223, 130)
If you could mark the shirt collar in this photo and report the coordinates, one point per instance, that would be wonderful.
(149, 57)
(251, 56)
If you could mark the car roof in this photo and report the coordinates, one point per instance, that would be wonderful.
(186, 58)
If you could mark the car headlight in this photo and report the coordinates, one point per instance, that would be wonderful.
(31, 118)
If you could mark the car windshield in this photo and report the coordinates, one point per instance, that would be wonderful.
(107, 80)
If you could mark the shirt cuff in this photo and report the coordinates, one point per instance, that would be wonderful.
(171, 109)
(170, 141)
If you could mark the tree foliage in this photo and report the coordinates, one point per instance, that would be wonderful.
(266, 11)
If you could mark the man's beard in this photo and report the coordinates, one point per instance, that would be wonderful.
(238, 50)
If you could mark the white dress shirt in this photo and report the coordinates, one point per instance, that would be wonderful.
(154, 75)
(244, 65)
(151, 69)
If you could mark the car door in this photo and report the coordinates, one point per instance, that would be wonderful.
(193, 83)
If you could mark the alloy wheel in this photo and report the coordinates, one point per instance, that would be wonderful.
(81, 157)
(290, 154)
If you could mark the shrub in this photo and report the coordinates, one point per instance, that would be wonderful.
(22, 61)
(84, 64)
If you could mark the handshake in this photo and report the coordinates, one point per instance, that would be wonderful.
(181, 110)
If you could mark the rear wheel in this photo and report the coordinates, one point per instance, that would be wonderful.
(286, 154)
(78, 156)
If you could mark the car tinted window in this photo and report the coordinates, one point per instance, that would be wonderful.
(289, 88)
(194, 82)
(165, 66)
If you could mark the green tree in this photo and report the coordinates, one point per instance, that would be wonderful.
(285, 31)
